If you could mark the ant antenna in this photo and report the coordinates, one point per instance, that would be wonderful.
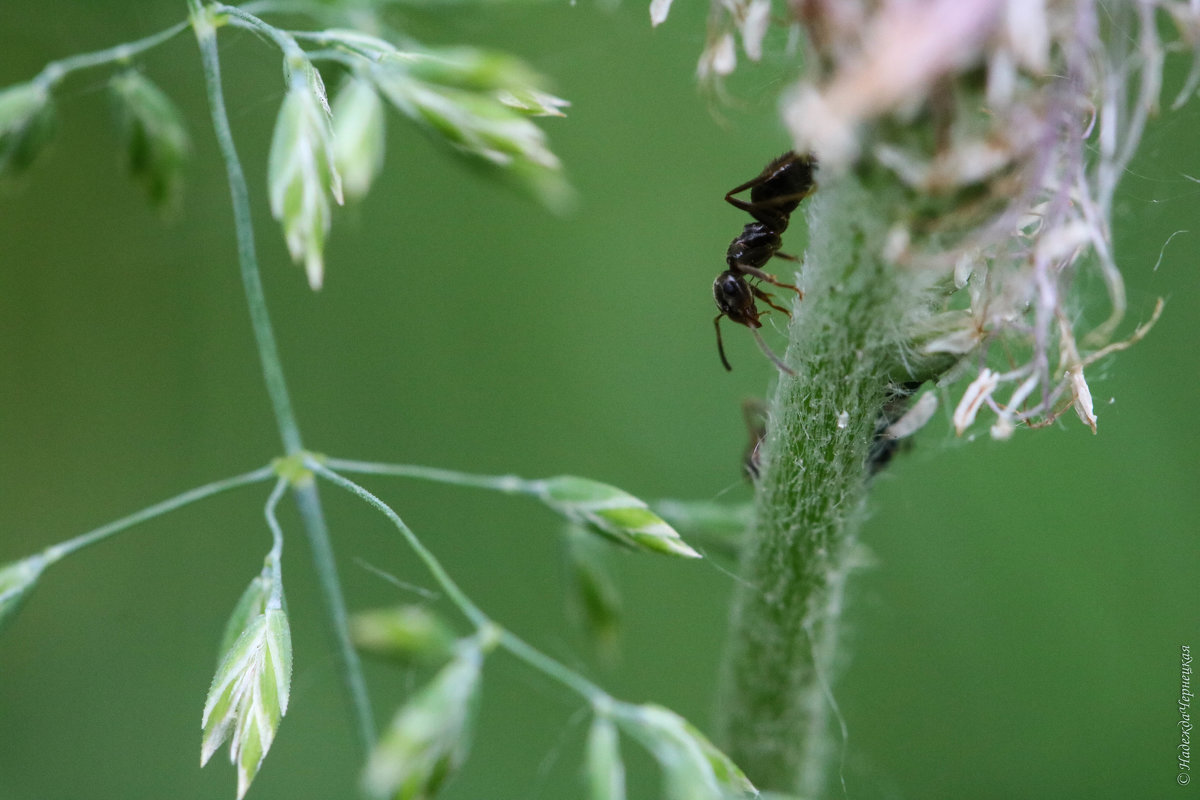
(762, 345)
(768, 352)
(720, 345)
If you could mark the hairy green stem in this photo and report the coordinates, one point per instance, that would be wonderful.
(776, 701)
(307, 499)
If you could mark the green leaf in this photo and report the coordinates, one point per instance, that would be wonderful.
(17, 579)
(157, 142)
(249, 693)
(429, 738)
(605, 769)
(27, 124)
(612, 513)
(402, 634)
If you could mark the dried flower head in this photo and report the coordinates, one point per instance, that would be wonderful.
(1006, 124)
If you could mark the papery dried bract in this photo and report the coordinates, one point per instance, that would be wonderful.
(718, 59)
(1081, 397)
(754, 27)
(658, 11)
(915, 418)
(973, 398)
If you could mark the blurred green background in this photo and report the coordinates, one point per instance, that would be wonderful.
(1019, 636)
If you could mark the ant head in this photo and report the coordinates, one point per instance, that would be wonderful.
(735, 299)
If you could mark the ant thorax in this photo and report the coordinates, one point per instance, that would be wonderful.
(754, 247)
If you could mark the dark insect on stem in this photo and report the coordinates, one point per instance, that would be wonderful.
(884, 445)
(754, 412)
(774, 195)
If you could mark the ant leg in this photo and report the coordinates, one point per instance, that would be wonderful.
(757, 180)
(787, 256)
(720, 345)
(768, 277)
(766, 298)
(755, 207)
(774, 168)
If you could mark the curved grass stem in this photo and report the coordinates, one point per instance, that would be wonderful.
(516, 646)
(55, 71)
(509, 484)
(307, 499)
(63, 549)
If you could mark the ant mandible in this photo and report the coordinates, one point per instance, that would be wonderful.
(774, 195)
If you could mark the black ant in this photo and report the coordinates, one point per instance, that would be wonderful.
(774, 195)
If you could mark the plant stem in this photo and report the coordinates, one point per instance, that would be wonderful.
(63, 549)
(55, 71)
(311, 512)
(780, 661)
(275, 557)
(553, 669)
(452, 590)
(508, 640)
(509, 484)
(307, 499)
(264, 336)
